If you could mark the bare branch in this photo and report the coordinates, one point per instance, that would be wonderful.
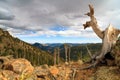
(93, 65)
(89, 52)
(93, 23)
(91, 13)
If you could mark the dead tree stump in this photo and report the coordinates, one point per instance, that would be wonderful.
(109, 37)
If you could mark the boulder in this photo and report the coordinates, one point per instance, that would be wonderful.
(54, 70)
(8, 75)
(61, 73)
(80, 62)
(19, 66)
(4, 59)
(42, 72)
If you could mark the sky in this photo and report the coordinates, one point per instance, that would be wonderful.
(56, 21)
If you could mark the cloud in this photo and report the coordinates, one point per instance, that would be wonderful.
(37, 17)
(6, 14)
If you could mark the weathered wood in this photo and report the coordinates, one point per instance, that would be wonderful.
(55, 52)
(58, 54)
(93, 23)
(66, 52)
(109, 37)
(90, 54)
(109, 40)
(69, 51)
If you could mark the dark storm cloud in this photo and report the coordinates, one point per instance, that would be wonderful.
(48, 11)
(6, 14)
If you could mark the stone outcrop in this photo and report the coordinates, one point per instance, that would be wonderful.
(19, 66)
(8, 75)
(21, 69)
(15, 69)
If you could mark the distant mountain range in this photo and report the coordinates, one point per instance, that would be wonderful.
(51, 46)
(55, 44)
(76, 49)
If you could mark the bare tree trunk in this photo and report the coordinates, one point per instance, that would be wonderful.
(69, 50)
(66, 51)
(81, 55)
(109, 37)
(93, 23)
(54, 56)
(89, 51)
(109, 40)
(58, 52)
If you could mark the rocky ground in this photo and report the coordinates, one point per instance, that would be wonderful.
(21, 69)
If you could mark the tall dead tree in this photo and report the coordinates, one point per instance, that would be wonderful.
(66, 52)
(90, 54)
(69, 51)
(58, 55)
(81, 55)
(109, 37)
(55, 52)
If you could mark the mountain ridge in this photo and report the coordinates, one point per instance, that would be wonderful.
(77, 51)
(10, 45)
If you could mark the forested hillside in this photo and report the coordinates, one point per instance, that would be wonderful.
(78, 51)
(19, 49)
